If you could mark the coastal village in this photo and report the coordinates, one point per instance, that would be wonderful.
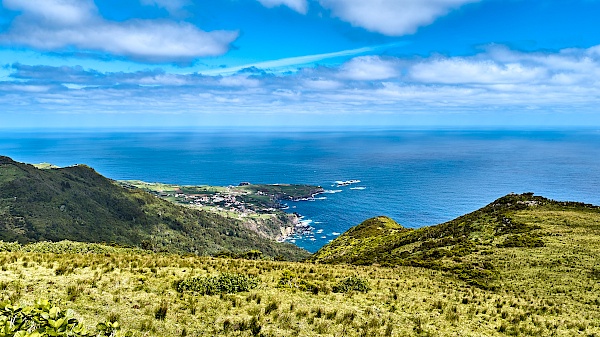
(257, 205)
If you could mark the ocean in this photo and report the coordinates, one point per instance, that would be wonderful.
(417, 177)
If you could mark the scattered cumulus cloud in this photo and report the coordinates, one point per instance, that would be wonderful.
(55, 12)
(496, 79)
(388, 17)
(59, 25)
(368, 68)
(463, 71)
(300, 6)
(391, 17)
(239, 81)
(25, 88)
(322, 84)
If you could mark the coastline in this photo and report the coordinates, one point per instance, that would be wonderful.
(300, 227)
(260, 208)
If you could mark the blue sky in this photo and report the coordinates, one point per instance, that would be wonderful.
(149, 63)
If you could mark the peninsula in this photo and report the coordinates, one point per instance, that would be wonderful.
(260, 206)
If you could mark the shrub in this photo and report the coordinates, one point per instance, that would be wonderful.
(161, 312)
(352, 283)
(272, 306)
(522, 240)
(111, 329)
(61, 270)
(9, 246)
(251, 255)
(222, 284)
(73, 292)
(43, 319)
(287, 280)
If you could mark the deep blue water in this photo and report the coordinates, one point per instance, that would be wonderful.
(418, 178)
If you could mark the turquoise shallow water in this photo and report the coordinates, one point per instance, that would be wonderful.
(418, 178)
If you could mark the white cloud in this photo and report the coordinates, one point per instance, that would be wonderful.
(391, 17)
(300, 6)
(368, 68)
(63, 24)
(287, 93)
(239, 81)
(595, 51)
(160, 79)
(463, 71)
(565, 81)
(220, 99)
(322, 84)
(26, 88)
(55, 12)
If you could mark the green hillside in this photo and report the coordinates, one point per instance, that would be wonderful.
(76, 203)
(541, 291)
(480, 246)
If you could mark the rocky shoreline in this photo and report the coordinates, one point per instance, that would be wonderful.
(260, 208)
(299, 228)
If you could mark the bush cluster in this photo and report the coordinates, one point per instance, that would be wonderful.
(65, 247)
(9, 246)
(595, 273)
(522, 240)
(253, 254)
(352, 283)
(222, 284)
(42, 319)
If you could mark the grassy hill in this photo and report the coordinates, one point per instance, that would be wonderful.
(516, 230)
(552, 290)
(76, 203)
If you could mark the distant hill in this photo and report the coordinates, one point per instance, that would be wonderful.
(76, 203)
(476, 247)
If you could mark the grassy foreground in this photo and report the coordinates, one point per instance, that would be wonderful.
(538, 293)
(521, 266)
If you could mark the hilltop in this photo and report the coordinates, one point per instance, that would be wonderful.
(476, 247)
(76, 203)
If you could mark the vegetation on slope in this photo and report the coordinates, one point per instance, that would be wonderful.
(540, 293)
(258, 206)
(473, 247)
(76, 203)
